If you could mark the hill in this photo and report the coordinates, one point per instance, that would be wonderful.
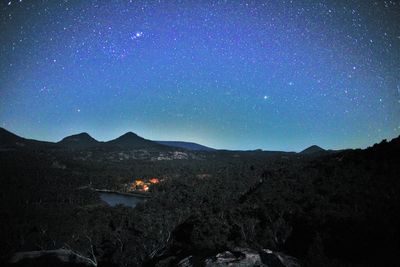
(10, 140)
(79, 141)
(186, 145)
(131, 140)
(312, 150)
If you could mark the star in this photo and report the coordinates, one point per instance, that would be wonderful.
(137, 35)
(154, 59)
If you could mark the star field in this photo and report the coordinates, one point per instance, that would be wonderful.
(276, 75)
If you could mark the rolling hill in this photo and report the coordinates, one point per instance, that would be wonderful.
(79, 141)
(186, 145)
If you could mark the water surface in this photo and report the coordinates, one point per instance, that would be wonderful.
(114, 199)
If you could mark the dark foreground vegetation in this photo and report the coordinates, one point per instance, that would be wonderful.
(325, 209)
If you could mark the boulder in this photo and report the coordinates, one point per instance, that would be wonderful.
(240, 257)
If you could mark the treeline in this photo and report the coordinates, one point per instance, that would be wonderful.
(330, 210)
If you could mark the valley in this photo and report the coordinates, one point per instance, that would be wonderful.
(201, 208)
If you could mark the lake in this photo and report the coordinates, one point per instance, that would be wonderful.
(114, 199)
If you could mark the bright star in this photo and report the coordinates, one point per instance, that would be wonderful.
(137, 35)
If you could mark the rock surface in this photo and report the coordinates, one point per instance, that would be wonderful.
(245, 257)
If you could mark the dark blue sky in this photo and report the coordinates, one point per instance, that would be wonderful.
(276, 75)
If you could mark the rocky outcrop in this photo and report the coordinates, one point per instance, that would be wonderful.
(238, 257)
(271, 258)
(245, 257)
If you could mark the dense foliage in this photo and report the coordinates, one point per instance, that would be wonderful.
(334, 209)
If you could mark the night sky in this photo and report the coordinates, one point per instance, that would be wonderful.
(276, 75)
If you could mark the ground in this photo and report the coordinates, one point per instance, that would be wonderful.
(329, 209)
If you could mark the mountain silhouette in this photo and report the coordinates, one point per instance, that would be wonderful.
(131, 140)
(186, 145)
(9, 140)
(79, 141)
(312, 150)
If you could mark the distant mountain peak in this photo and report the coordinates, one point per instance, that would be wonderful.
(313, 149)
(129, 135)
(81, 140)
(131, 140)
(79, 137)
(84, 134)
